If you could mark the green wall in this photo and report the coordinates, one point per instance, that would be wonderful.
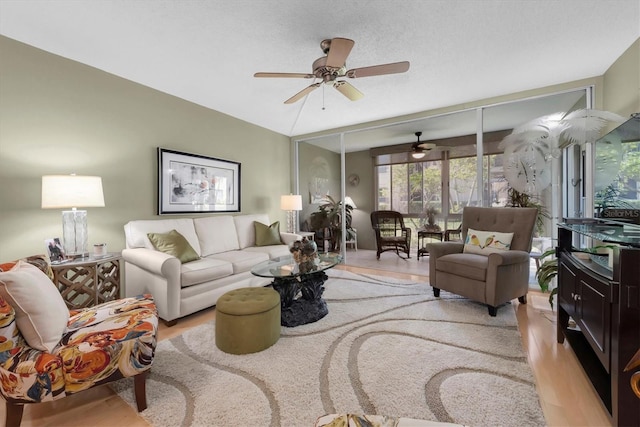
(622, 83)
(58, 116)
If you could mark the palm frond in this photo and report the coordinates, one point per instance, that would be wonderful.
(584, 125)
(544, 122)
(524, 137)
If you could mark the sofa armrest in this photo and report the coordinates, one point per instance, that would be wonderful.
(508, 258)
(436, 250)
(288, 238)
(507, 276)
(148, 271)
(155, 262)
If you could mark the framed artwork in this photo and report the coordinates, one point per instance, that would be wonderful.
(191, 183)
(318, 180)
(55, 250)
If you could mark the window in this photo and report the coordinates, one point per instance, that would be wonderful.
(411, 187)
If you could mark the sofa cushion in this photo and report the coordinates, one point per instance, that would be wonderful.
(174, 243)
(246, 229)
(273, 251)
(41, 313)
(267, 235)
(242, 260)
(204, 270)
(472, 266)
(486, 242)
(216, 234)
(136, 232)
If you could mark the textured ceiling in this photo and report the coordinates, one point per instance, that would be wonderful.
(207, 51)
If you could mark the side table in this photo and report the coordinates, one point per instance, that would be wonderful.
(423, 234)
(88, 281)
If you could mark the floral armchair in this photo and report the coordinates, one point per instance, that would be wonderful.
(48, 352)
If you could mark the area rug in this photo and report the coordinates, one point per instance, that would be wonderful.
(387, 347)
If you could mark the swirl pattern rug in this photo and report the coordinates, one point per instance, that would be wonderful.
(387, 347)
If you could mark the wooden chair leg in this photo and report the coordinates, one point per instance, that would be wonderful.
(436, 292)
(14, 414)
(140, 387)
(522, 299)
(493, 311)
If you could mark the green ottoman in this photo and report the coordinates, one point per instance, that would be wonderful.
(247, 320)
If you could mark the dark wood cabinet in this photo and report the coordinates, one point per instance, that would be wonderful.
(599, 309)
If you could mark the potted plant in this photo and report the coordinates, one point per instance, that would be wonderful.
(329, 217)
(430, 212)
(519, 199)
(546, 272)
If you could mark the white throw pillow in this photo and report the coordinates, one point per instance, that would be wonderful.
(486, 242)
(41, 313)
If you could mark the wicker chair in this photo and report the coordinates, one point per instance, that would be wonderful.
(391, 234)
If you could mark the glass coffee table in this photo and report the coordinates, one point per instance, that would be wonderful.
(300, 292)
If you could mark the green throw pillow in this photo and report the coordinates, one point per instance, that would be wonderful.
(267, 235)
(173, 243)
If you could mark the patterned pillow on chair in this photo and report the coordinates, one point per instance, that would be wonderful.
(486, 242)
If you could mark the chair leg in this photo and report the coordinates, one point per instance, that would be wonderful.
(522, 299)
(493, 311)
(140, 387)
(170, 323)
(436, 292)
(14, 414)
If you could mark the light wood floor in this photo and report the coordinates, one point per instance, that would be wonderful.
(566, 395)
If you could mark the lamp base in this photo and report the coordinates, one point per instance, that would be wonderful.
(291, 222)
(74, 232)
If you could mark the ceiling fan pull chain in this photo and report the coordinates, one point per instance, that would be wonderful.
(323, 97)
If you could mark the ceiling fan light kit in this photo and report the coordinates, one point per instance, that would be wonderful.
(333, 66)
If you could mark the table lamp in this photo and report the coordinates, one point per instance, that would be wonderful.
(291, 203)
(348, 201)
(73, 191)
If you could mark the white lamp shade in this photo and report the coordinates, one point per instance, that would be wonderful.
(291, 202)
(71, 191)
(349, 201)
(418, 154)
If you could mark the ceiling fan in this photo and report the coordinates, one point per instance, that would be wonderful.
(420, 149)
(333, 66)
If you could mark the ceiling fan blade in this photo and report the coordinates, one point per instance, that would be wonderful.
(427, 145)
(285, 75)
(348, 90)
(303, 93)
(338, 52)
(378, 70)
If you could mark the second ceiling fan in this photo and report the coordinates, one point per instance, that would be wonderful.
(420, 149)
(333, 66)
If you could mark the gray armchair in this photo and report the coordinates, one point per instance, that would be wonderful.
(492, 279)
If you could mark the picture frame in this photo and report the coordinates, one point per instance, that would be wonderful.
(55, 250)
(193, 183)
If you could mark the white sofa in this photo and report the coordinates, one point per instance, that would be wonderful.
(226, 245)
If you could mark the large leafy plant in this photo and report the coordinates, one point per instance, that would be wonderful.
(518, 199)
(329, 216)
